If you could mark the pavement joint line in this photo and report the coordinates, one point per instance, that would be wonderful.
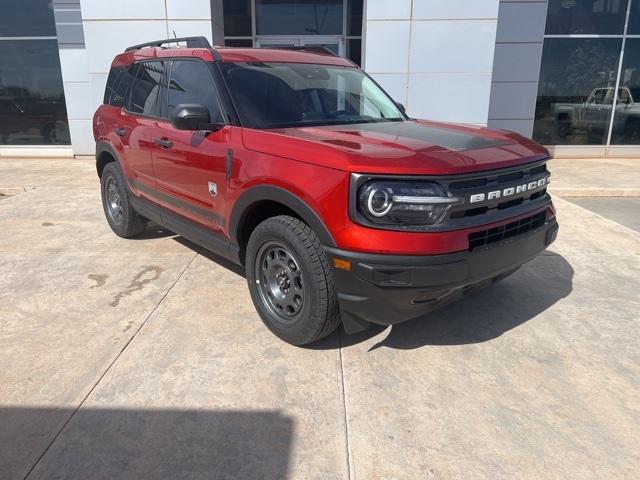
(84, 399)
(344, 409)
(624, 228)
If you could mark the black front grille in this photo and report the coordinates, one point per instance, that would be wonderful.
(497, 181)
(497, 234)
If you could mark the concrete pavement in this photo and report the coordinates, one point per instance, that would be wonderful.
(145, 359)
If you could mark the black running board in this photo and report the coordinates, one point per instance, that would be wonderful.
(186, 228)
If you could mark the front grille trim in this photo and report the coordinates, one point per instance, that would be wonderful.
(487, 237)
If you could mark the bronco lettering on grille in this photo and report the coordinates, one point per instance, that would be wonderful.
(510, 191)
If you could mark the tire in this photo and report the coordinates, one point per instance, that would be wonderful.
(122, 218)
(285, 260)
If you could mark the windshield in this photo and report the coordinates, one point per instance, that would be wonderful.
(277, 95)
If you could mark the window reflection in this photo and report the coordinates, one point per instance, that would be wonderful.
(32, 107)
(586, 16)
(299, 17)
(575, 93)
(626, 121)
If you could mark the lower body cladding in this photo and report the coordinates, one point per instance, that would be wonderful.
(389, 289)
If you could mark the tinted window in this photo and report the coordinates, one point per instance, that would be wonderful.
(191, 82)
(586, 16)
(354, 17)
(32, 106)
(354, 50)
(26, 18)
(626, 124)
(299, 17)
(117, 85)
(237, 18)
(282, 95)
(577, 77)
(146, 89)
(634, 18)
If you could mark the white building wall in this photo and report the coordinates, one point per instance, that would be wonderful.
(434, 56)
(109, 27)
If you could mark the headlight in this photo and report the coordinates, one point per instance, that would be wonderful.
(404, 203)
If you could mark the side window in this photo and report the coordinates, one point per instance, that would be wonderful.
(191, 82)
(147, 89)
(117, 85)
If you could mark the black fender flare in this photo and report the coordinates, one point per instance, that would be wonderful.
(105, 147)
(276, 194)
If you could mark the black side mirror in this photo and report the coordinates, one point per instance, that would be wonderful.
(401, 107)
(193, 116)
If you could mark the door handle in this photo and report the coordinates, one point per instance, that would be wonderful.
(163, 142)
(121, 132)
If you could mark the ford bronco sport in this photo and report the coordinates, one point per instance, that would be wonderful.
(297, 166)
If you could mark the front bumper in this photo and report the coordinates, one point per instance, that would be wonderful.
(388, 289)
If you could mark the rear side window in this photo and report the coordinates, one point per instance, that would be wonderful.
(147, 89)
(191, 82)
(117, 85)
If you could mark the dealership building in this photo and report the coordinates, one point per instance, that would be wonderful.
(563, 72)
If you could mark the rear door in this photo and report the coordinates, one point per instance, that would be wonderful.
(191, 167)
(139, 122)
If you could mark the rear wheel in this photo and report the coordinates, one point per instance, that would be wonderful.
(290, 281)
(122, 218)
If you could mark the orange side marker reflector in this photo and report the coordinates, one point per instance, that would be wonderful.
(341, 264)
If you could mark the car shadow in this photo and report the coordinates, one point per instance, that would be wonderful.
(481, 317)
(217, 259)
(144, 444)
(153, 231)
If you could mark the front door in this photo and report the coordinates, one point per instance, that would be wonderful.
(190, 166)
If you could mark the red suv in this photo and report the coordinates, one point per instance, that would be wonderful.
(297, 166)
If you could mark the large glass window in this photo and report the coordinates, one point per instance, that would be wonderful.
(191, 82)
(574, 104)
(299, 17)
(586, 16)
(626, 125)
(335, 24)
(32, 108)
(586, 96)
(237, 18)
(26, 18)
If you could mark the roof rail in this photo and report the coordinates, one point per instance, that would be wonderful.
(309, 48)
(192, 42)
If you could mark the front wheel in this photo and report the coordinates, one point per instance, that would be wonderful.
(290, 281)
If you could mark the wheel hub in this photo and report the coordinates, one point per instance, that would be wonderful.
(280, 281)
(114, 202)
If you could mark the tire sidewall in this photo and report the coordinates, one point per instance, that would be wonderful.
(112, 170)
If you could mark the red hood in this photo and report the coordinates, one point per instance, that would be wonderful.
(412, 147)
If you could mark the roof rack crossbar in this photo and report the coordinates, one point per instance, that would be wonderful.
(192, 42)
(303, 48)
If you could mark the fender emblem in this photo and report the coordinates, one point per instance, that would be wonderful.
(213, 189)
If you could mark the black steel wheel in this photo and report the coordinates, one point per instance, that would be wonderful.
(280, 281)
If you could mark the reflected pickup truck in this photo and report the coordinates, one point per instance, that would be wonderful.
(298, 167)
